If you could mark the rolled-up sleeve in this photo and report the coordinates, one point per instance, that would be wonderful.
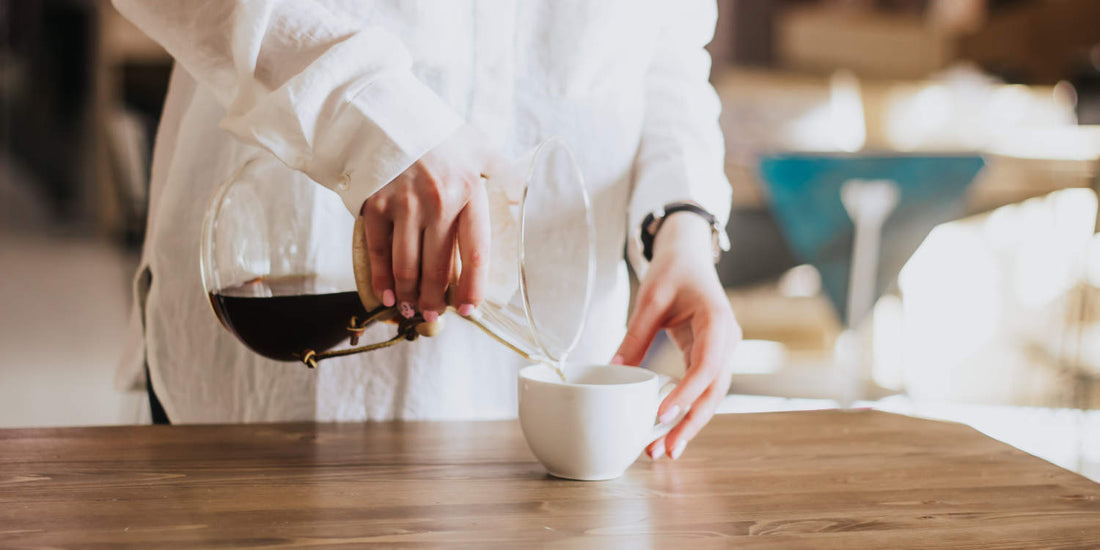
(681, 154)
(328, 97)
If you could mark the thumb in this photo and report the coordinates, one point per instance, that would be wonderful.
(640, 331)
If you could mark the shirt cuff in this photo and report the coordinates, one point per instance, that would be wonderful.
(382, 130)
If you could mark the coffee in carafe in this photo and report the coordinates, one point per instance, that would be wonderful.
(282, 318)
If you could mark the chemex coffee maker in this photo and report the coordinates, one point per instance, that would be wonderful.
(286, 270)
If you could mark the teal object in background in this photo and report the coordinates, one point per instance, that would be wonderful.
(804, 193)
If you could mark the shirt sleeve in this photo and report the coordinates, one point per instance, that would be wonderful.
(681, 156)
(333, 99)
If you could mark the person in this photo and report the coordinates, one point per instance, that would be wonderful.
(397, 107)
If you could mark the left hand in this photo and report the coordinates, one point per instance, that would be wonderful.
(681, 294)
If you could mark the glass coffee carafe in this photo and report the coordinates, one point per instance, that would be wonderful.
(285, 268)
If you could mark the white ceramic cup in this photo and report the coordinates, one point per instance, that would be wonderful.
(594, 425)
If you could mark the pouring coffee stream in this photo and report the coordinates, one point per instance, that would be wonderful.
(291, 295)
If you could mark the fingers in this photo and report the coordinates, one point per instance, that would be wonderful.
(707, 381)
(435, 273)
(710, 333)
(406, 263)
(379, 234)
(701, 411)
(656, 449)
(640, 331)
(473, 246)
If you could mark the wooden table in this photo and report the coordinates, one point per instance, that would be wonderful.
(823, 479)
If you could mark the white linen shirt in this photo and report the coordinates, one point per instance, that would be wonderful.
(362, 89)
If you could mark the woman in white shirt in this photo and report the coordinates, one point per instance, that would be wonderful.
(408, 100)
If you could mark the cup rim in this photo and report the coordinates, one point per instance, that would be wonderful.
(650, 376)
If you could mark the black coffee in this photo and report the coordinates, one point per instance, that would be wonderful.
(282, 317)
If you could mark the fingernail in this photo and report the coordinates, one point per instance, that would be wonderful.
(387, 298)
(670, 414)
(406, 310)
(617, 360)
(678, 449)
(465, 309)
(657, 451)
(430, 316)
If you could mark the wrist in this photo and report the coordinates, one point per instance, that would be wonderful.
(684, 234)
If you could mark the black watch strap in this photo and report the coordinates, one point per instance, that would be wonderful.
(653, 221)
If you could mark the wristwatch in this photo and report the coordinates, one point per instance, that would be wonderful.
(653, 221)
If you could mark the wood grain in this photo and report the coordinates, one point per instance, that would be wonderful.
(823, 479)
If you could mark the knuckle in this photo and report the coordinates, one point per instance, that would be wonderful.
(467, 185)
(402, 201)
(710, 320)
(652, 296)
(475, 259)
(378, 250)
(431, 196)
(406, 274)
(428, 178)
(375, 206)
(437, 276)
(413, 172)
(721, 317)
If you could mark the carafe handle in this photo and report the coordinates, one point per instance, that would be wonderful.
(361, 264)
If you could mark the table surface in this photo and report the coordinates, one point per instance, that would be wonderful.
(821, 479)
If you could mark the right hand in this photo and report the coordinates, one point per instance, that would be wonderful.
(414, 223)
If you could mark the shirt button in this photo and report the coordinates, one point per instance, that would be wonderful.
(344, 183)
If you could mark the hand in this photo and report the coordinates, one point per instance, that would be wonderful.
(413, 224)
(681, 294)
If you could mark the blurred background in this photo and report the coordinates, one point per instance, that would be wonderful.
(914, 218)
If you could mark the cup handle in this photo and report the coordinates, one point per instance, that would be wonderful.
(659, 430)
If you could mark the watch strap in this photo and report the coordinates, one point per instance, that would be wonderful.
(653, 221)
